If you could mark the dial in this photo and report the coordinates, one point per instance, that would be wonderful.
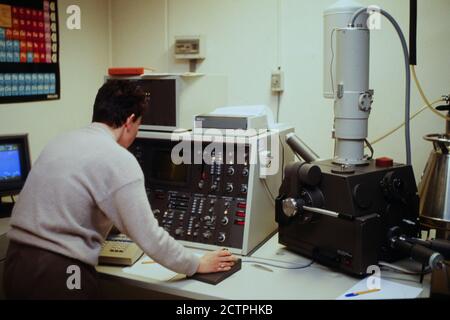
(225, 221)
(222, 237)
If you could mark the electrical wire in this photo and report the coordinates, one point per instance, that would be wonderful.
(408, 77)
(278, 106)
(369, 145)
(386, 135)
(332, 61)
(269, 193)
(291, 266)
(283, 159)
(424, 97)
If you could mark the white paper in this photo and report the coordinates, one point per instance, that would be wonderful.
(150, 270)
(388, 291)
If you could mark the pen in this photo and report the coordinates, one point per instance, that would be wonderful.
(148, 262)
(355, 294)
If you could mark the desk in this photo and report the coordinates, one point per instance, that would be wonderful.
(4, 225)
(250, 283)
(314, 283)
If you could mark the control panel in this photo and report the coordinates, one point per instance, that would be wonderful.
(209, 193)
(202, 203)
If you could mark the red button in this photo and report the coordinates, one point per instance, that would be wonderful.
(240, 222)
(384, 162)
(240, 214)
(242, 205)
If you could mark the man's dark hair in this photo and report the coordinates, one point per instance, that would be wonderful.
(117, 100)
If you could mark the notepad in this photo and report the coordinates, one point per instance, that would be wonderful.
(147, 268)
(388, 291)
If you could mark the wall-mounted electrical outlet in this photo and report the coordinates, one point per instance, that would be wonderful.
(277, 81)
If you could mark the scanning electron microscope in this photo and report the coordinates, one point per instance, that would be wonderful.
(352, 211)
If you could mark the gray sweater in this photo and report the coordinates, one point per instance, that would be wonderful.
(82, 184)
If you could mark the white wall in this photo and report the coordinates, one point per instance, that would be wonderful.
(247, 39)
(83, 64)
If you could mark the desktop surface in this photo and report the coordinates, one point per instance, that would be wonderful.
(252, 282)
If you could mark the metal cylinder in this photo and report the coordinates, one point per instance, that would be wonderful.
(353, 101)
(299, 147)
(434, 189)
(336, 16)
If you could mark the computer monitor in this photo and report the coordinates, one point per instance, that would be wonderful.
(163, 113)
(15, 164)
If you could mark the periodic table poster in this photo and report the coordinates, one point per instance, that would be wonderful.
(29, 51)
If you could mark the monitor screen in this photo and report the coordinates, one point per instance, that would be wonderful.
(10, 167)
(163, 100)
(163, 169)
(15, 163)
(162, 109)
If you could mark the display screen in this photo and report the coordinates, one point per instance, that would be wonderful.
(10, 165)
(163, 169)
(162, 102)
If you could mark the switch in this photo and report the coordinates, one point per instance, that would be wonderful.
(240, 214)
(242, 205)
(225, 221)
(245, 172)
(230, 188)
(222, 237)
(277, 81)
(207, 235)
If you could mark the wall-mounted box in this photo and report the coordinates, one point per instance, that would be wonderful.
(190, 47)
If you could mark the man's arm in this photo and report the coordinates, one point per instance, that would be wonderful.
(129, 210)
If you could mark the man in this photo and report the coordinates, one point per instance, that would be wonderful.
(83, 183)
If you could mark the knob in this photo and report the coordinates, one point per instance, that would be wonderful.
(207, 235)
(244, 189)
(156, 212)
(245, 172)
(229, 188)
(179, 232)
(230, 171)
(290, 207)
(211, 210)
(214, 187)
(225, 221)
(212, 202)
(222, 237)
(227, 205)
(201, 184)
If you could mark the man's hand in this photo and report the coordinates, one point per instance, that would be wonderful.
(216, 261)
